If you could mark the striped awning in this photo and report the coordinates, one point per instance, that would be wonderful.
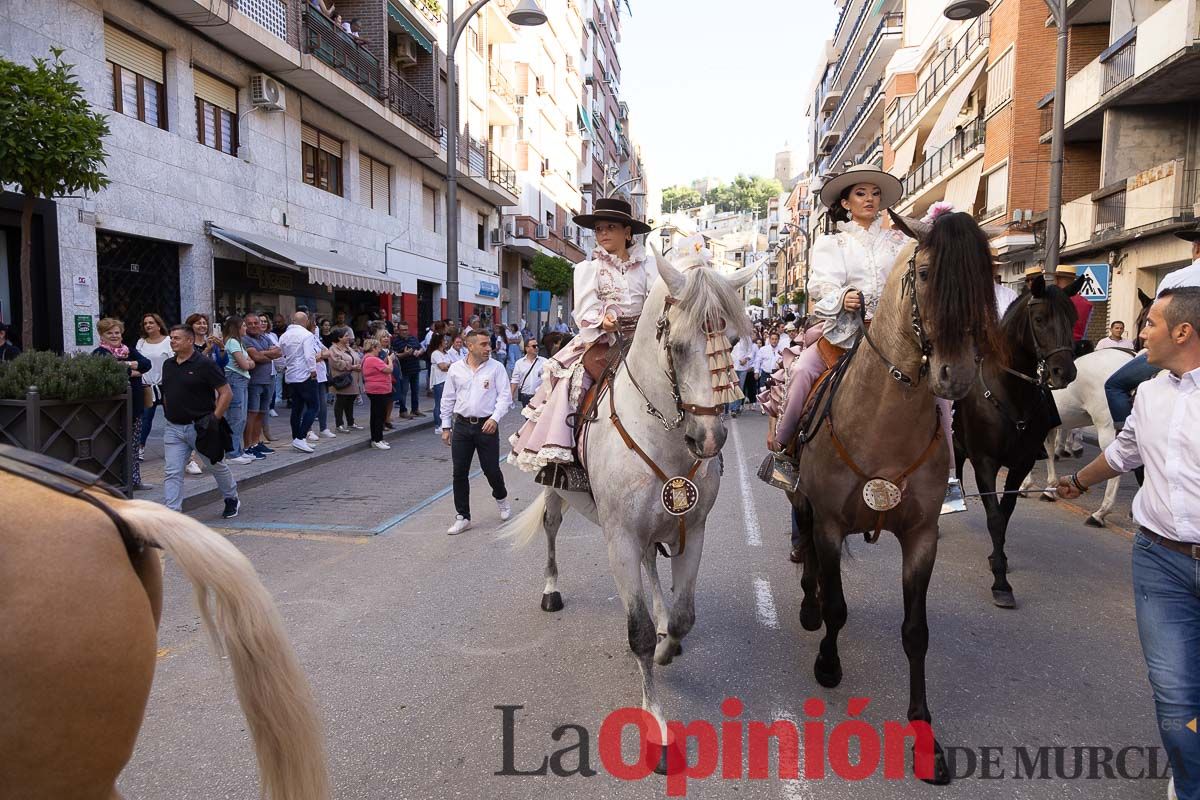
(411, 29)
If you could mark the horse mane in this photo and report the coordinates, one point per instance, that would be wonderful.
(706, 301)
(961, 294)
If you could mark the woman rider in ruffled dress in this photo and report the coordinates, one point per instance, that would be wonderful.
(612, 284)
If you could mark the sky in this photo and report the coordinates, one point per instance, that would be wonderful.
(713, 93)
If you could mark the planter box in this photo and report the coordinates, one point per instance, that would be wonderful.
(93, 434)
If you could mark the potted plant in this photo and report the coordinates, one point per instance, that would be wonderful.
(74, 408)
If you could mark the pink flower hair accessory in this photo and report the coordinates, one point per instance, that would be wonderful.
(937, 210)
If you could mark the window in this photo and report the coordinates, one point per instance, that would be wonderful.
(374, 183)
(481, 232)
(216, 113)
(1000, 82)
(137, 75)
(996, 198)
(429, 204)
(322, 156)
(550, 220)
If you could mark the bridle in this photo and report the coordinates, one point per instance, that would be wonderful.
(663, 335)
(908, 285)
(1039, 381)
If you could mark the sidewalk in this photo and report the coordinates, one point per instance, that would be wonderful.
(201, 489)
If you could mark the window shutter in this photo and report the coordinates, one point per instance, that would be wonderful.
(214, 91)
(364, 179)
(309, 135)
(331, 145)
(132, 53)
(380, 194)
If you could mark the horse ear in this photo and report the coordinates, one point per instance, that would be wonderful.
(674, 279)
(1038, 287)
(912, 228)
(1144, 298)
(1076, 285)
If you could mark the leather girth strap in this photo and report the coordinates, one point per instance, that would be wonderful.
(899, 480)
(662, 476)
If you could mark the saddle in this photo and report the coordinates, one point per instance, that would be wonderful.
(69, 480)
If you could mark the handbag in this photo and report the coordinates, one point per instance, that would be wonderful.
(341, 380)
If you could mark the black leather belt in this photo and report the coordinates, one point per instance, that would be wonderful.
(1189, 550)
(470, 420)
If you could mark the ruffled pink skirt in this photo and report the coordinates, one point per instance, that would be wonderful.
(548, 437)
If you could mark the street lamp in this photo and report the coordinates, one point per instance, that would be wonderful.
(526, 14)
(969, 9)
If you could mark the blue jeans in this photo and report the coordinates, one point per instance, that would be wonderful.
(277, 395)
(178, 443)
(304, 406)
(437, 405)
(237, 410)
(407, 383)
(322, 405)
(1120, 385)
(741, 377)
(1166, 595)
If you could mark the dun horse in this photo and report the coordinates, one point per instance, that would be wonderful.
(80, 603)
(657, 420)
(935, 319)
(1005, 418)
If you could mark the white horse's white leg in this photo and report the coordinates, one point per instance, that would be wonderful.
(1105, 433)
(625, 559)
(684, 568)
(1051, 469)
(551, 520)
(650, 562)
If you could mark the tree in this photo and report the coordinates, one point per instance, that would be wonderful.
(745, 194)
(51, 145)
(755, 301)
(677, 198)
(552, 274)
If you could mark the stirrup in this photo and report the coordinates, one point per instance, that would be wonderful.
(954, 501)
(781, 471)
(564, 477)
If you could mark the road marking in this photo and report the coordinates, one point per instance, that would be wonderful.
(291, 533)
(163, 652)
(753, 532)
(791, 788)
(764, 604)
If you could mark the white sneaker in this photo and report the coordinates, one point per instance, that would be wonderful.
(343, 429)
(460, 524)
(192, 468)
(381, 445)
(302, 446)
(273, 413)
(312, 437)
(357, 428)
(242, 459)
(1171, 790)
(505, 510)
(328, 434)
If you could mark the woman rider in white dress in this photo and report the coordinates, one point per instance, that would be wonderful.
(613, 283)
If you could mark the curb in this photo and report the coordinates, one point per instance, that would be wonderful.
(322, 456)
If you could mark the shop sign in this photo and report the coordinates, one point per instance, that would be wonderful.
(488, 289)
(268, 278)
(83, 330)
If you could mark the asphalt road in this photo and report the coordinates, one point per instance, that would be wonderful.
(412, 639)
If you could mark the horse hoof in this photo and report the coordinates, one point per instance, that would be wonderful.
(941, 772)
(1092, 522)
(1003, 598)
(665, 652)
(829, 678)
(1046, 498)
(552, 602)
(661, 767)
(810, 617)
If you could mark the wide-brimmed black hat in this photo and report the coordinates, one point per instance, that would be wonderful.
(1190, 234)
(612, 209)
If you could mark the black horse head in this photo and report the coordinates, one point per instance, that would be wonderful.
(1038, 331)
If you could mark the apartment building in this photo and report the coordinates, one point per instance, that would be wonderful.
(260, 157)
(607, 151)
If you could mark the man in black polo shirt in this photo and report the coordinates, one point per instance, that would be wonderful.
(194, 390)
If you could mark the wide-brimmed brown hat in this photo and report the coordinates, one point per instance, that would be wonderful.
(612, 209)
(890, 188)
(1189, 234)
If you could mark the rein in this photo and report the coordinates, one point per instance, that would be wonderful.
(918, 325)
(1039, 381)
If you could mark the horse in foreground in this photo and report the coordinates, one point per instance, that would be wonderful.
(657, 429)
(936, 318)
(80, 603)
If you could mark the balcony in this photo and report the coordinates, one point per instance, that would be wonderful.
(946, 67)
(828, 137)
(865, 108)
(527, 242)
(858, 23)
(889, 29)
(945, 157)
(340, 50)
(502, 103)
(409, 102)
(502, 174)
(271, 14)
(1118, 61)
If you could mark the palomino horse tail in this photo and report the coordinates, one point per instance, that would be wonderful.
(526, 526)
(244, 624)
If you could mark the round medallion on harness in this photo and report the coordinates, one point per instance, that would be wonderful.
(679, 496)
(881, 494)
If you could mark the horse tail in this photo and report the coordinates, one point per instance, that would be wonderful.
(525, 527)
(243, 623)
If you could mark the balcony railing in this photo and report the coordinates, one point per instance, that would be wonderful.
(409, 102)
(872, 149)
(964, 141)
(501, 173)
(1047, 118)
(1110, 212)
(863, 109)
(341, 51)
(1118, 61)
(271, 14)
(500, 84)
(941, 73)
(858, 21)
(1191, 189)
(864, 57)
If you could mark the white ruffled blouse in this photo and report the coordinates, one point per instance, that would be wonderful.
(854, 258)
(606, 285)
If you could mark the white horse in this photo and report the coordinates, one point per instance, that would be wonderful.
(1081, 404)
(666, 376)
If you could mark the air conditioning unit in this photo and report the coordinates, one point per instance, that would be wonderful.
(497, 236)
(266, 93)
(542, 232)
(569, 231)
(406, 52)
(510, 229)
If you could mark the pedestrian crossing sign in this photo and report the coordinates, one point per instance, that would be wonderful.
(1095, 284)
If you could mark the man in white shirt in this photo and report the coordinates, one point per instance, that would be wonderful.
(527, 374)
(1005, 297)
(1115, 338)
(766, 361)
(474, 398)
(1162, 434)
(300, 373)
(1119, 387)
(785, 338)
(742, 356)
